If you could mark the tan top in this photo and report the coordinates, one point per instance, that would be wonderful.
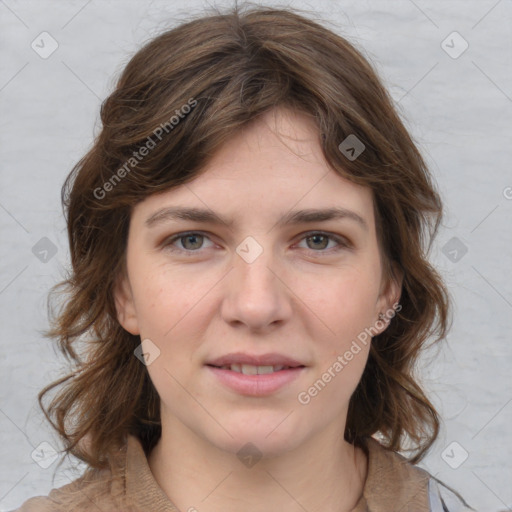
(392, 485)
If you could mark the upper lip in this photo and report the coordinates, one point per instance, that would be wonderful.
(271, 359)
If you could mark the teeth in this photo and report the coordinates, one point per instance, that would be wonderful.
(249, 369)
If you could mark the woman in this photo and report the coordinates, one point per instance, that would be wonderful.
(250, 289)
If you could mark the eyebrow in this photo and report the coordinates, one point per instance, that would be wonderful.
(294, 217)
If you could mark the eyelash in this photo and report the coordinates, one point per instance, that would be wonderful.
(343, 243)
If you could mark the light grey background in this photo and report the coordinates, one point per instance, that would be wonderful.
(458, 109)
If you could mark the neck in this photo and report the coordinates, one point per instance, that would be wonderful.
(325, 473)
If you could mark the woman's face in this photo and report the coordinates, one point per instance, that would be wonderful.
(269, 288)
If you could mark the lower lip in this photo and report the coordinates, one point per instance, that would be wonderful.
(256, 385)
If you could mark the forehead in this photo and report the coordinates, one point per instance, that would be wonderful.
(273, 165)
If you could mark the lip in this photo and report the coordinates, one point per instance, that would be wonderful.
(256, 385)
(269, 359)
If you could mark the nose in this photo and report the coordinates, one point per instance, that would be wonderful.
(256, 294)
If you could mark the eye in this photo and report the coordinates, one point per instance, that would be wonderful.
(319, 241)
(191, 242)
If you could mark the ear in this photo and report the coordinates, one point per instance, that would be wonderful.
(125, 307)
(389, 297)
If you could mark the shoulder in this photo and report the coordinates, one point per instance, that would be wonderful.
(94, 490)
(393, 483)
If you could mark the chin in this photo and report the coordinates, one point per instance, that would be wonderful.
(261, 439)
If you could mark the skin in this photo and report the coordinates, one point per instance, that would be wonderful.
(300, 297)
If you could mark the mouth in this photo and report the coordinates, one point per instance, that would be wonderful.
(255, 380)
(249, 369)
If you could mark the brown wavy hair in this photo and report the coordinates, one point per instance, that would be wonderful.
(237, 65)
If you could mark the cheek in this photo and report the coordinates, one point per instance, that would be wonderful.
(345, 308)
(343, 303)
(165, 299)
